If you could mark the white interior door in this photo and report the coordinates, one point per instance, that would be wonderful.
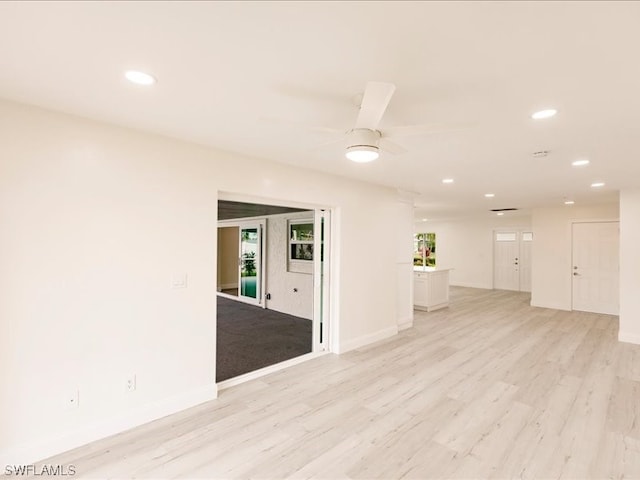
(524, 260)
(506, 261)
(595, 248)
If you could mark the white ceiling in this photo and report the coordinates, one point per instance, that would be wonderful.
(224, 67)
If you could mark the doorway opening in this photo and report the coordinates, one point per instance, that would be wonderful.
(272, 286)
(512, 260)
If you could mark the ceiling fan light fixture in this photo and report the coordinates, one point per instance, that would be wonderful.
(362, 153)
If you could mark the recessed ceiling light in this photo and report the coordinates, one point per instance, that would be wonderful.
(425, 219)
(569, 202)
(500, 214)
(447, 180)
(544, 114)
(597, 184)
(489, 195)
(580, 163)
(139, 78)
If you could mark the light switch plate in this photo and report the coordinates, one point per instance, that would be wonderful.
(179, 280)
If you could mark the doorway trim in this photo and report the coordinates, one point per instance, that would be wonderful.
(260, 293)
(330, 298)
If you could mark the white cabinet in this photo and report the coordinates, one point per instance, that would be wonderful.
(430, 289)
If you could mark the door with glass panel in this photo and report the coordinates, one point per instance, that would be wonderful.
(321, 276)
(250, 263)
(512, 260)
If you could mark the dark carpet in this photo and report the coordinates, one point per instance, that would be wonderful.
(251, 337)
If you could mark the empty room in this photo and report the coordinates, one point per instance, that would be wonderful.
(359, 239)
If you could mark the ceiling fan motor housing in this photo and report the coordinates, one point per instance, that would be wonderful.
(363, 137)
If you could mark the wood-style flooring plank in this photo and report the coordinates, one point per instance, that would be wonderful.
(487, 388)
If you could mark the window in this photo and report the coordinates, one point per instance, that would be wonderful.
(506, 237)
(527, 236)
(301, 240)
(424, 250)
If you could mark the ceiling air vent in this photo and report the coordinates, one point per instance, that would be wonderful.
(503, 209)
(540, 154)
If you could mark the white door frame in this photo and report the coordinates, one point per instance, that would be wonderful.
(331, 306)
(321, 279)
(261, 223)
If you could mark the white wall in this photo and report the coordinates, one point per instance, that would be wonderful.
(629, 266)
(551, 267)
(404, 261)
(466, 245)
(228, 252)
(280, 281)
(94, 222)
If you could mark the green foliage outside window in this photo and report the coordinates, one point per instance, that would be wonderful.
(424, 250)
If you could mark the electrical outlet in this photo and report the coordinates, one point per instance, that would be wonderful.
(73, 399)
(179, 280)
(130, 383)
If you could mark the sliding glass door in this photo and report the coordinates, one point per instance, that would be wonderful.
(250, 262)
(321, 277)
(241, 260)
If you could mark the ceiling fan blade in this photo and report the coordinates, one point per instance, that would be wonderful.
(309, 128)
(426, 128)
(374, 102)
(325, 145)
(391, 147)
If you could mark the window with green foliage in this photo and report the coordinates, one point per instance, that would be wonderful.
(301, 240)
(424, 250)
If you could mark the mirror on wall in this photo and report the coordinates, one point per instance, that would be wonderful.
(424, 250)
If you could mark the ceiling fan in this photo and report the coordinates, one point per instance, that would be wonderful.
(365, 141)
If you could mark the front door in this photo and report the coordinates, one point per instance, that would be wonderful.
(595, 269)
(512, 260)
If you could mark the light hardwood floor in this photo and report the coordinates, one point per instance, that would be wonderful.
(487, 388)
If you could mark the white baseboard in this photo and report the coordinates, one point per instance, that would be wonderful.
(232, 382)
(471, 285)
(551, 306)
(629, 337)
(55, 445)
(404, 323)
(358, 342)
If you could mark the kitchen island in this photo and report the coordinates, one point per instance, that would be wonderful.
(430, 288)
